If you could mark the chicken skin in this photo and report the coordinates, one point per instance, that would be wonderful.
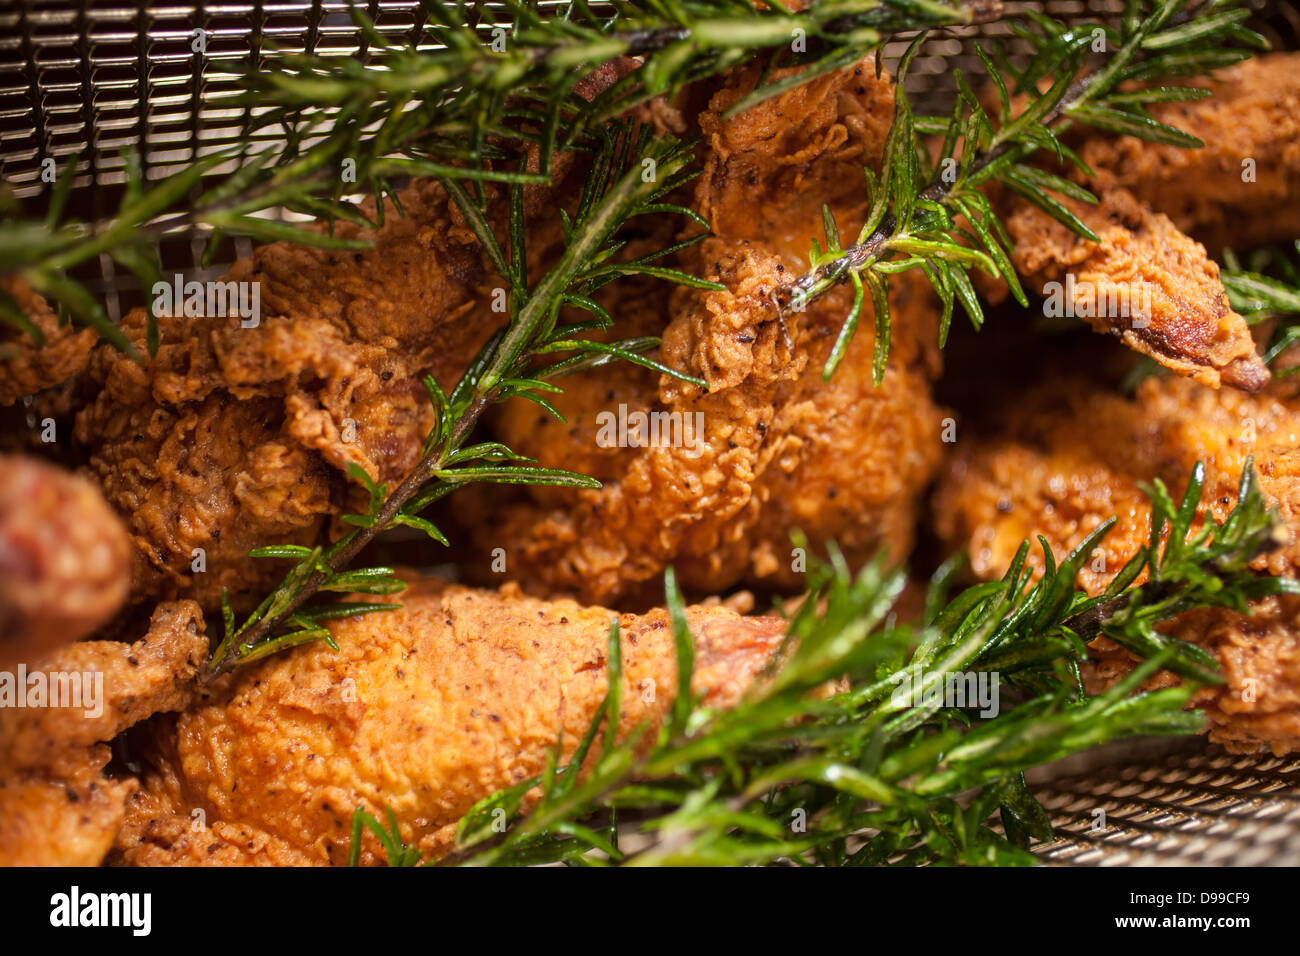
(64, 557)
(769, 447)
(28, 366)
(1258, 705)
(1149, 280)
(1145, 282)
(1242, 188)
(233, 437)
(426, 710)
(1069, 456)
(57, 805)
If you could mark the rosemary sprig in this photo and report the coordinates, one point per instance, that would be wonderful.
(1259, 296)
(915, 203)
(879, 773)
(467, 112)
(518, 361)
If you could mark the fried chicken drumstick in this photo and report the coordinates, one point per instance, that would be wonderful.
(1069, 455)
(425, 710)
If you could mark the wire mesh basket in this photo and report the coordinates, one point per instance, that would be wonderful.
(94, 79)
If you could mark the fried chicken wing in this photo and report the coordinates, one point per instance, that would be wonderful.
(769, 447)
(57, 805)
(425, 710)
(1069, 456)
(1149, 280)
(1242, 188)
(1144, 281)
(64, 558)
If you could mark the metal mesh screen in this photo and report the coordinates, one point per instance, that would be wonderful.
(95, 78)
(1175, 804)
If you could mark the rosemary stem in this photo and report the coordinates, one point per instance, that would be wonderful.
(358, 539)
(856, 255)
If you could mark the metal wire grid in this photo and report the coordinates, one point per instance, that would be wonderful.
(1196, 806)
(120, 75)
(92, 79)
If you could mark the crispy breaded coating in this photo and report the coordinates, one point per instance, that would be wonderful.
(1258, 706)
(1242, 189)
(152, 675)
(235, 437)
(66, 815)
(57, 806)
(777, 449)
(1144, 282)
(1160, 203)
(64, 558)
(152, 835)
(426, 710)
(27, 367)
(1069, 456)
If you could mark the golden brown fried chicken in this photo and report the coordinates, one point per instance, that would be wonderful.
(64, 815)
(64, 558)
(1144, 281)
(241, 430)
(776, 448)
(1242, 188)
(28, 367)
(1258, 706)
(426, 710)
(1069, 456)
(1158, 204)
(57, 806)
(235, 437)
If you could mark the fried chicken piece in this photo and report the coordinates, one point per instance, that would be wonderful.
(26, 366)
(1159, 203)
(1258, 706)
(235, 437)
(130, 682)
(67, 815)
(1145, 282)
(426, 710)
(57, 806)
(1068, 457)
(64, 558)
(1214, 193)
(152, 835)
(719, 504)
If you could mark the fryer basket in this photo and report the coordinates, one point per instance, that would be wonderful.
(93, 78)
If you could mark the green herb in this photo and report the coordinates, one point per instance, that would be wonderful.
(519, 361)
(915, 203)
(1259, 297)
(467, 112)
(878, 774)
